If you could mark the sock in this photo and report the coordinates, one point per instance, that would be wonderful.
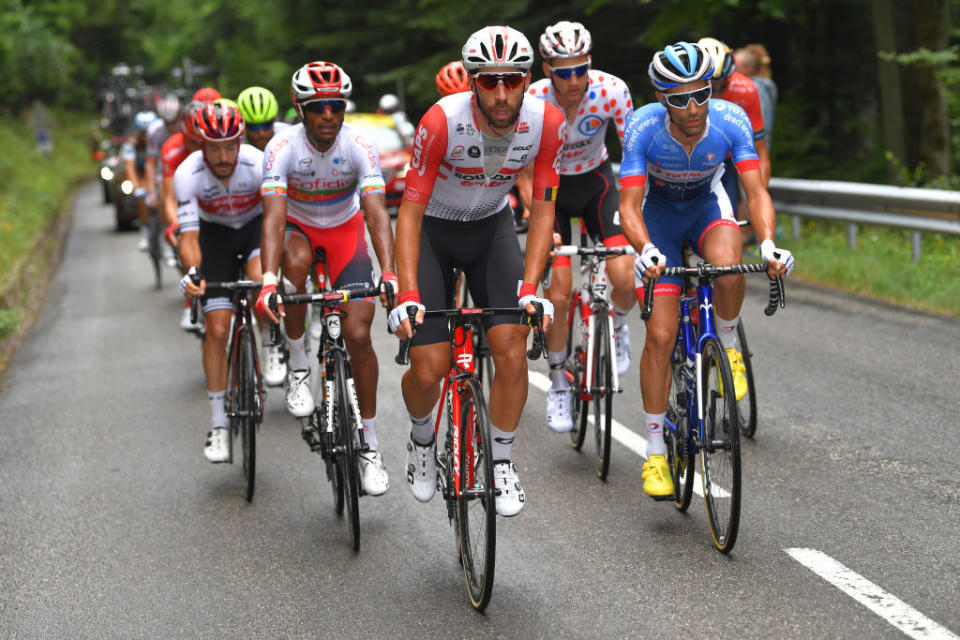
(727, 331)
(619, 316)
(557, 375)
(298, 353)
(421, 429)
(655, 443)
(370, 432)
(218, 414)
(502, 443)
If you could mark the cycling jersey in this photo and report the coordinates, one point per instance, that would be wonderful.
(446, 172)
(134, 151)
(157, 134)
(607, 99)
(674, 174)
(321, 187)
(172, 153)
(742, 91)
(203, 196)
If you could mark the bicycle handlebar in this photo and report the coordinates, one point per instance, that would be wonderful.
(575, 250)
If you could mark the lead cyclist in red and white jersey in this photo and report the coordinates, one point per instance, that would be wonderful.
(468, 151)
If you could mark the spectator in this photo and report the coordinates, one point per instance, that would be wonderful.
(754, 61)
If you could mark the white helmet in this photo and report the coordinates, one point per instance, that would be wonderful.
(389, 102)
(497, 47)
(168, 108)
(318, 81)
(565, 40)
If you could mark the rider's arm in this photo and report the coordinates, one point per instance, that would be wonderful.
(525, 187)
(631, 216)
(762, 216)
(169, 201)
(370, 184)
(409, 224)
(188, 217)
(623, 108)
(633, 178)
(273, 189)
(545, 184)
(151, 173)
(764, 154)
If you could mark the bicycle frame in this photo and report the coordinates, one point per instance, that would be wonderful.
(333, 348)
(462, 366)
(243, 321)
(593, 298)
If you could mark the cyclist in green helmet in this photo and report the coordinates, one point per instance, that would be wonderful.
(259, 109)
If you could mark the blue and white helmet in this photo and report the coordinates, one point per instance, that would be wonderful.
(144, 119)
(678, 64)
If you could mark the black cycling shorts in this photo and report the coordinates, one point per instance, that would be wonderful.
(593, 197)
(486, 250)
(219, 247)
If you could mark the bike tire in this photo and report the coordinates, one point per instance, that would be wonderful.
(747, 406)
(603, 397)
(247, 421)
(576, 368)
(484, 360)
(154, 236)
(346, 431)
(680, 458)
(720, 447)
(476, 514)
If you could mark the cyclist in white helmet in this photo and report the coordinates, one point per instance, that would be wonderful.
(468, 151)
(591, 100)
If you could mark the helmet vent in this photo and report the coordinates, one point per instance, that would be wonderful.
(498, 46)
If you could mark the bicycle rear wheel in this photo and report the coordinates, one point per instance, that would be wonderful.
(476, 508)
(247, 422)
(348, 458)
(576, 372)
(603, 394)
(720, 447)
(747, 406)
(679, 457)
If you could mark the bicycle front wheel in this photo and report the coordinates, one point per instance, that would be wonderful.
(679, 457)
(576, 367)
(603, 391)
(349, 449)
(720, 447)
(476, 508)
(247, 410)
(747, 406)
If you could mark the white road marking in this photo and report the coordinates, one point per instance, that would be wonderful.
(887, 606)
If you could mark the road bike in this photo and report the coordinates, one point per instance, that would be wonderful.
(591, 361)
(702, 419)
(465, 461)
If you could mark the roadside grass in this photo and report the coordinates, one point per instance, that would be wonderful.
(881, 265)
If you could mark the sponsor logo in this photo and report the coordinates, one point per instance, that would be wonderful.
(524, 148)
(590, 125)
(305, 162)
(523, 127)
(412, 194)
(710, 157)
(473, 151)
(416, 162)
(457, 152)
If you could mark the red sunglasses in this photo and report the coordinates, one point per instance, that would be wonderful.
(490, 81)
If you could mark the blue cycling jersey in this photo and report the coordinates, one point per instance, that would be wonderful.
(675, 175)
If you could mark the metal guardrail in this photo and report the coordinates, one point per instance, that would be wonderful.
(929, 210)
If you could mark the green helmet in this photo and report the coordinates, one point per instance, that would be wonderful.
(257, 105)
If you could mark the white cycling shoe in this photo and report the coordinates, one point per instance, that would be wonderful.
(621, 341)
(274, 368)
(217, 447)
(511, 499)
(422, 469)
(299, 397)
(373, 473)
(559, 413)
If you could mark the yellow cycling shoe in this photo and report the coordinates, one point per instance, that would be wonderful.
(738, 371)
(657, 482)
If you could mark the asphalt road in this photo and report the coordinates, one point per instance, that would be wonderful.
(112, 525)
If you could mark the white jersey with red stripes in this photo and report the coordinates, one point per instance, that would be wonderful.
(323, 189)
(607, 99)
(203, 196)
(447, 169)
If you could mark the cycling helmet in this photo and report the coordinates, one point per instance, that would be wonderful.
(497, 47)
(723, 63)
(565, 40)
(168, 108)
(227, 102)
(144, 119)
(319, 81)
(218, 122)
(678, 64)
(257, 105)
(389, 103)
(452, 78)
(206, 94)
(189, 122)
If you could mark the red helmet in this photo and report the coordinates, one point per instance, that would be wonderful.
(206, 94)
(218, 122)
(452, 78)
(319, 81)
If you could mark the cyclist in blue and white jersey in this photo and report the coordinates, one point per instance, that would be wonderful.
(680, 142)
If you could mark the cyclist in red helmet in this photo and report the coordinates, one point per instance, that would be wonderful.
(206, 94)
(452, 78)
(317, 177)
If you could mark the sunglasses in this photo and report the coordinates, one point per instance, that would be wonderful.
(681, 100)
(490, 81)
(564, 73)
(319, 106)
(259, 126)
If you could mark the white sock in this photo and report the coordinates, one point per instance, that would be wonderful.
(218, 414)
(298, 353)
(557, 375)
(502, 443)
(619, 316)
(421, 429)
(727, 331)
(655, 443)
(370, 432)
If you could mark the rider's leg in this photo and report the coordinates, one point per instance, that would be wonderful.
(508, 392)
(363, 361)
(655, 367)
(559, 294)
(297, 257)
(215, 362)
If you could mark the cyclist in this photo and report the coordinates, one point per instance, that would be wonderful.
(468, 151)
(591, 100)
(317, 176)
(259, 108)
(219, 211)
(206, 94)
(168, 108)
(681, 142)
(133, 153)
(452, 78)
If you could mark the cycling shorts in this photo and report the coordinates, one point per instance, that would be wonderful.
(348, 261)
(219, 247)
(593, 197)
(670, 224)
(486, 250)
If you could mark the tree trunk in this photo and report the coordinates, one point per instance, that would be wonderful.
(888, 73)
(932, 27)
